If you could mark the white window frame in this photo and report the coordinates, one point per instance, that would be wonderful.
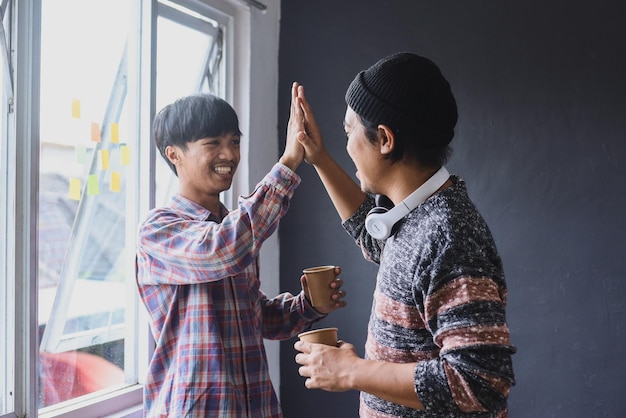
(7, 217)
(26, 171)
(254, 39)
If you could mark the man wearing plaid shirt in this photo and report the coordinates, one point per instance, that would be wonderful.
(198, 271)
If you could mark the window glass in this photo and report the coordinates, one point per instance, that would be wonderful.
(196, 67)
(84, 168)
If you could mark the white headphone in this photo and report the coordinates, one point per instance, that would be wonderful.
(380, 221)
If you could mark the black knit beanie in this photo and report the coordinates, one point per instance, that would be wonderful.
(407, 93)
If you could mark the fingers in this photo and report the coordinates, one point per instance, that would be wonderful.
(296, 112)
(338, 295)
(300, 359)
(302, 347)
(294, 99)
(294, 152)
(303, 102)
(309, 117)
(299, 97)
(346, 346)
(338, 304)
(337, 283)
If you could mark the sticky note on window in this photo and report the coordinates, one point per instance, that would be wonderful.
(76, 109)
(115, 133)
(104, 159)
(93, 188)
(125, 154)
(75, 189)
(95, 132)
(116, 182)
(81, 154)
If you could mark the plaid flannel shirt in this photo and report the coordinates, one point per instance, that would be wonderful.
(198, 277)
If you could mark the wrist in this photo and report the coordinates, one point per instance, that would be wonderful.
(292, 163)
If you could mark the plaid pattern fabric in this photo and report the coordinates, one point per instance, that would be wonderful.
(198, 276)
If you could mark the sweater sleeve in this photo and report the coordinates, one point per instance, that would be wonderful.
(473, 371)
(355, 227)
(461, 292)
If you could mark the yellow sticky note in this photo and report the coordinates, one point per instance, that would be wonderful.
(75, 189)
(104, 159)
(95, 132)
(76, 109)
(93, 188)
(115, 133)
(125, 154)
(81, 154)
(116, 182)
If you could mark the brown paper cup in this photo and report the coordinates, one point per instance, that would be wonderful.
(318, 280)
(326, 336)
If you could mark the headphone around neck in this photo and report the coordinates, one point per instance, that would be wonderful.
(380, 221)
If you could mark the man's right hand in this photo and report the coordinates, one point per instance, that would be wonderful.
(294, 152)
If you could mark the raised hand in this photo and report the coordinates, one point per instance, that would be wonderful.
(311, 139)
(294, 152)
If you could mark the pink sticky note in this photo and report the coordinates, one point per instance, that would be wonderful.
(95, 132)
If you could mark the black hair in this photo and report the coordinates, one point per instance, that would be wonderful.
(191, 118)
(406, 148)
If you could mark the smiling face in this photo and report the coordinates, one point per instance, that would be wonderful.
(206, 167)
(365, 154)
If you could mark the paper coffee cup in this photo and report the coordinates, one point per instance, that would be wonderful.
(318, 281)
(326, 336)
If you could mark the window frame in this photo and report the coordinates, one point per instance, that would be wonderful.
(26, 108)
(22, 186)
(7, 217)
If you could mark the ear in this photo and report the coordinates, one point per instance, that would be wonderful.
(387, 139)
(173, 154)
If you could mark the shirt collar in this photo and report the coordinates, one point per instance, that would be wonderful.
(195, 211)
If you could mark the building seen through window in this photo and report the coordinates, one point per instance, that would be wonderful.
(87, 162)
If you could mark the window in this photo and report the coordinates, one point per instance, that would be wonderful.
(86, 235)
(84, 239)
(6, 289)
(86, 230)
(90, 75)
(198, 67)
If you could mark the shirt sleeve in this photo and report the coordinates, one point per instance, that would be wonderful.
(183, 250)
(286, 315)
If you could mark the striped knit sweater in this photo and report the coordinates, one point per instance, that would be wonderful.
(440, 301)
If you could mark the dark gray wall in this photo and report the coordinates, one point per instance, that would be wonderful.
(541, 140)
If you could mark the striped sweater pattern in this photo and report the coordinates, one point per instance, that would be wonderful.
(439, 301)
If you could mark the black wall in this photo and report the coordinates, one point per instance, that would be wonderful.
(541, 141)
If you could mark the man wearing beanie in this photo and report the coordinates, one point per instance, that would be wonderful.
(438, 343)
